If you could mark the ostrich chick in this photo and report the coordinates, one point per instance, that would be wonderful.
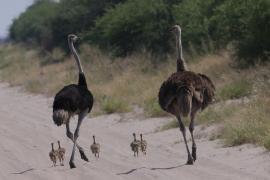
(95, 147)
(61, 154)
(53, 155)
(135, 145)
(143, 145)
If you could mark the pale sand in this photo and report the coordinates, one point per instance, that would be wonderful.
(27, 131)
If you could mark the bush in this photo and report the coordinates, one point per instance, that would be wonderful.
(126, 26)
(194, 17)
(134, 25)
(112, 105)
(247, 25)
(34, 25)
(152, 108)
(235, 90)
(171, 125)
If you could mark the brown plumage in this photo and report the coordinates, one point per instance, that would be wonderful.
(184, 93)
(95, 147)
(143, 145)
(53, 155)
(135, 145)
(61, 153)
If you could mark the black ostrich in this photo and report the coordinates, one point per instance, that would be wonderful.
(73, 100)
(184, 93)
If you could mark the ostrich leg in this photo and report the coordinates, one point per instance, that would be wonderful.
(183, 130)
(191, 128)
(76, 135)
(70, 136)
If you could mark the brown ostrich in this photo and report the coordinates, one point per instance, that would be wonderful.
(135, 145)
(53, 155)
(61, 153)
(95, 147)
(143, 145)
(184, 93)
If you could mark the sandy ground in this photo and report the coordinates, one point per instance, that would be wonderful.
(27, 131)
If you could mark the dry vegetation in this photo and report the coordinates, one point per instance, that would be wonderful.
(117, 84)
(243, 97)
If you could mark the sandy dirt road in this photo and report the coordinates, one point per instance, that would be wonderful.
(27, 130)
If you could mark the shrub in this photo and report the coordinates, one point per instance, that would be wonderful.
(152, 108)
(214, 115)
(34, 25)
(234, 90)
(134, 25)
(247, 25)
(112, 105)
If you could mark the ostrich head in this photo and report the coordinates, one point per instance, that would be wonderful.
(141, 136)
(176, 29)
(73, 37)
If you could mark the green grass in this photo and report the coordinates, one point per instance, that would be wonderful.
(152, 108)
(252, 126)
(170, 125)
(111, 105)
(236, 89)
(209, 116)
(133, 80)
(216, 114)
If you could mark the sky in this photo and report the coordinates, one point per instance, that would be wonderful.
(10, 9)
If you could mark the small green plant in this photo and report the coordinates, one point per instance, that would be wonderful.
(252, 127)
(209, 116)
(215, 115)
(235, 90)
(153, 109)
(170, 125)
(245, 131)
(33, 86)
(112, 105)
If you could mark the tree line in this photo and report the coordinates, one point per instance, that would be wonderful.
(122, 27)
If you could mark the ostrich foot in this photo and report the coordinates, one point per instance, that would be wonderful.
(194, 153)
(190, 161)
(83, 156)
(71, 164)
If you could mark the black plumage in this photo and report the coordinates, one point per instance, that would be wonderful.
(73, 99)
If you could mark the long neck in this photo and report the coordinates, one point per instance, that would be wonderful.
(181, 64)
(76, 56)
(52, 148)
(59, 145)
(141, 137)
(94, 139)
(134, 137)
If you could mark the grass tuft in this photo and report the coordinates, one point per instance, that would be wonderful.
(170, 125)
(152, 108)
(111, 105)
(253, 126)
(236, 89)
